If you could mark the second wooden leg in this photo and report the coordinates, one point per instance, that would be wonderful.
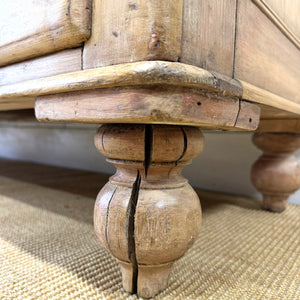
(276, 174)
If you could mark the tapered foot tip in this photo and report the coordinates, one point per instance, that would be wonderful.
(151, 280)
(274, 205)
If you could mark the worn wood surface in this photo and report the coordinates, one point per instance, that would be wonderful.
(265, 58)
(32, 28)
(128, 31)
(208, 33)
(147, 216)
(276, 174)
(131, 74)
(285, 15)
(155, 73)
(149, 106)
(58, 63)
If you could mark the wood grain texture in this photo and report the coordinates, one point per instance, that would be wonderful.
(154, 73)
(280, 125)
(149, 106)
(285, 15)
(58, 63)
(128, 31)
(276, 174)
(208, 33)
(34, 28)
(131, 74)
(147, 216)
(265, 58)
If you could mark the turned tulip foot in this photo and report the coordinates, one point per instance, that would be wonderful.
(147, 215)
(276, 174)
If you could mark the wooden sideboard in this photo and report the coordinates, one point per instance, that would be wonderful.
(155, 73)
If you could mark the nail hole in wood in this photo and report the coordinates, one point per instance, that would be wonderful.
(199, 103)
(250, 120)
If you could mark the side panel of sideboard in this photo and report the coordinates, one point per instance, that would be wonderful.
(265, 57)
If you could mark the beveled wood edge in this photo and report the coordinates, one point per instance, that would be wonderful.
(277, 21)
(129, 74)
(145, 73)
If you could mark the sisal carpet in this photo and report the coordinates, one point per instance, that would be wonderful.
(48, 249)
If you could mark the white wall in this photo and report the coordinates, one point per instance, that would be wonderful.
(224, 164)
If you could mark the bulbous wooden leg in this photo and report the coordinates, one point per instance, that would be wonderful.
(147, 215)
(276, 174)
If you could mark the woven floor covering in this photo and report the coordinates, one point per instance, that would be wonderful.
(48, 250)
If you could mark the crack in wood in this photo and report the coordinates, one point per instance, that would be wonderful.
(184, 145)
(148, 147)
(130, 230)
(185, 141)
(107, 216)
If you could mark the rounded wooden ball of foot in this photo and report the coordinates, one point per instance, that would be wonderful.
(276, 174)
(147, 216)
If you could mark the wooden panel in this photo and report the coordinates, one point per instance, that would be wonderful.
(264, 55)
(62, 62)
(208, 34)
(31, 28)
(280, 125)
(177, 106)
(272, 113)
(127, 31)
(288, 12)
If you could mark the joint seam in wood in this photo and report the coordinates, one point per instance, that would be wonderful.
(148, 140)
(238, 113)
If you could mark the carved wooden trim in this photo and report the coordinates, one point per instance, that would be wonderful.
(276, 20)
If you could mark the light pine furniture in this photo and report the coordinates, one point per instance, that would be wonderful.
(156, 73)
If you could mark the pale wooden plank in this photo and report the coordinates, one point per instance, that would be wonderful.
(265, 58)
(208, 34)
(128, 31)
(32, 28)
(273, 106)
(58, 63)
